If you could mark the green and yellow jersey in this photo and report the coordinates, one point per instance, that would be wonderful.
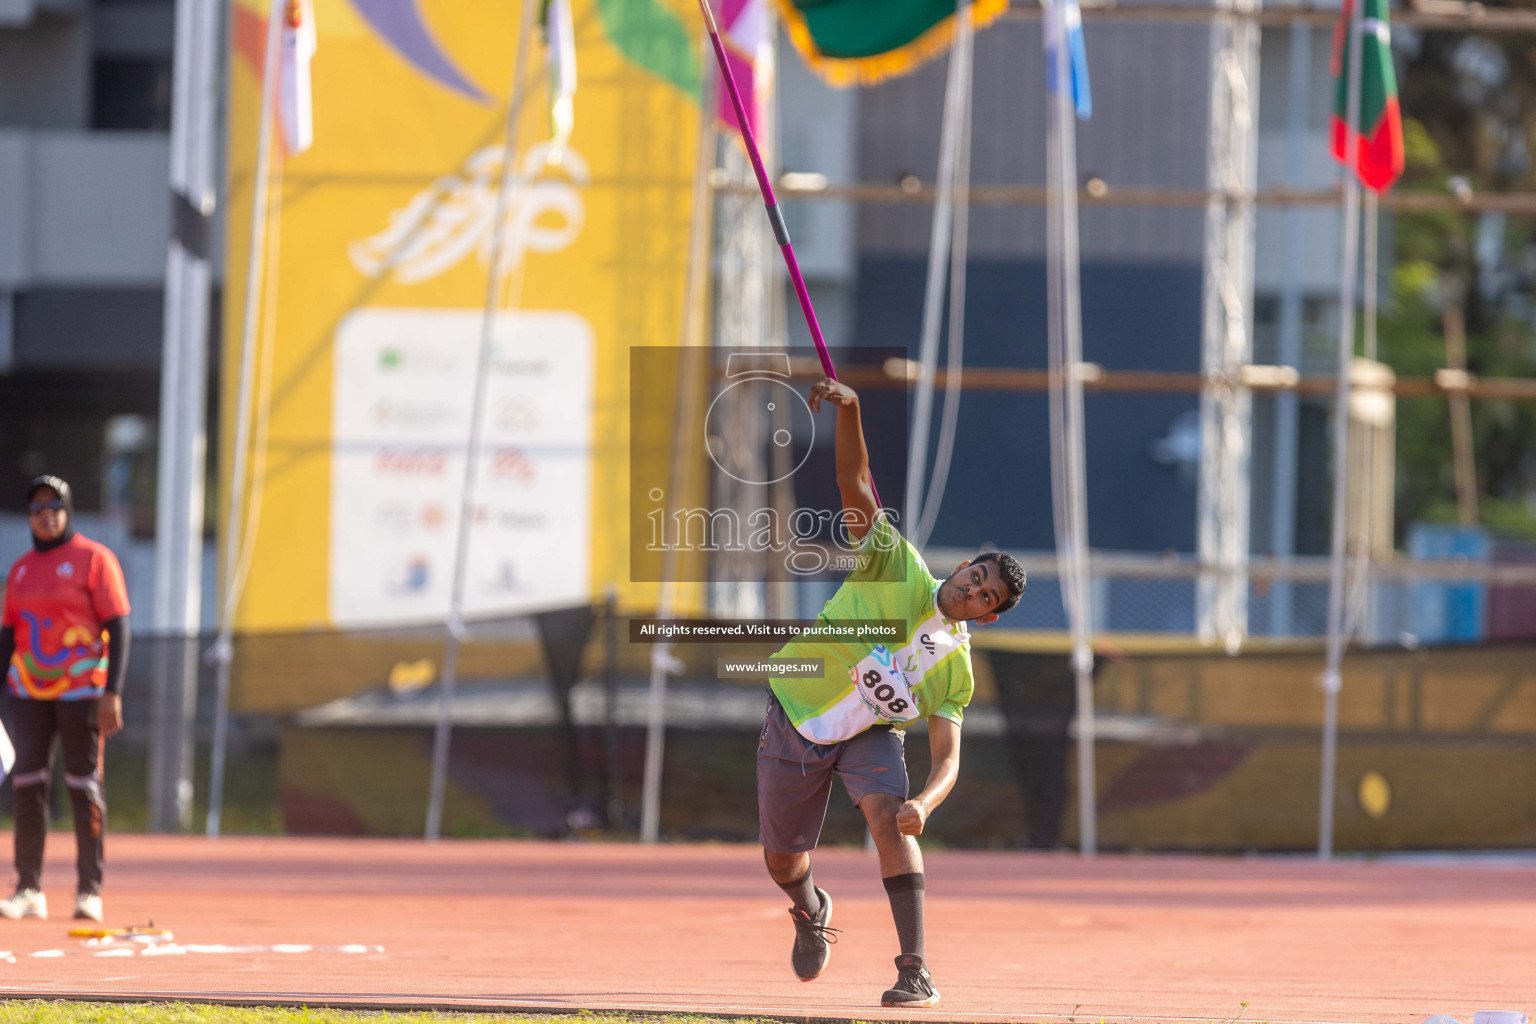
(865, 683)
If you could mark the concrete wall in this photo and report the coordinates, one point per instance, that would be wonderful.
(818, 131)
(137, 29)
(1141, 273)
(45, 73)
(82, 208)
(1149, 128)
(1135, 316)
(1318, 265)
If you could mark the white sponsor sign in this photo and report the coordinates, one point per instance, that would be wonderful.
(404, 384)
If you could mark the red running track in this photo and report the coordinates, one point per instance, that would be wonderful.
(1029, 937)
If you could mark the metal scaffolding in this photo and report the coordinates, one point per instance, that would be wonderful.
(1227, 378)
(1226, 407)
(742, 319)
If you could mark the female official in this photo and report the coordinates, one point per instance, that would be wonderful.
(64, 636)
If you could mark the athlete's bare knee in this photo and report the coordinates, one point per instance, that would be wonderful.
(880, 811)
(786, 867)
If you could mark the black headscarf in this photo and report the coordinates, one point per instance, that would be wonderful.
(67, 496)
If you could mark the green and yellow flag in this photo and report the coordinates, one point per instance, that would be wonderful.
(859, 42)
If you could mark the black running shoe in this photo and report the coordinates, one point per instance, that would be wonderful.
(813, 939)
(914, 985)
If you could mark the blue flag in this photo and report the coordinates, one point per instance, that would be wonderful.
(1069, 29)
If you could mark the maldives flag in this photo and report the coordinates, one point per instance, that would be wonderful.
(295, 106)
(1381, 140)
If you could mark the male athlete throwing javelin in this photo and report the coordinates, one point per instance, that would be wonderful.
(850, 719)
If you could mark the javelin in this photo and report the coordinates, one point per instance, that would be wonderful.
(771, 202)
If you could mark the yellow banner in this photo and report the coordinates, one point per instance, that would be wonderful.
(372, 310)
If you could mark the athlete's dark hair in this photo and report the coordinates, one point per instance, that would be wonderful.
(1012, 575)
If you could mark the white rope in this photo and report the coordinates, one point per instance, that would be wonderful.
(1068, 469)
(268, 346)
(1065, 573)
(438, 780)
(255, 263)
(939, 239)
(959, 253)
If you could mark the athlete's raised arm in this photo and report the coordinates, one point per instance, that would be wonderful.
(859, 507)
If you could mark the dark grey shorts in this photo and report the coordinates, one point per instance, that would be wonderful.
(794, 777)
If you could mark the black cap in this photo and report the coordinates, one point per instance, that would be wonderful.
(58, 487)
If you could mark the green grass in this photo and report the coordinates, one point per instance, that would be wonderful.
(45, 1011)
(251, 795)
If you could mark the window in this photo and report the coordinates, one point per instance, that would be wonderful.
(131, 94)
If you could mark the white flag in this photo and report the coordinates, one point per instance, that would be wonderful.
(1064, 21)
(561, 38)
(294, 100)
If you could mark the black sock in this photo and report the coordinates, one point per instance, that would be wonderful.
(802, 892)
(906, 895)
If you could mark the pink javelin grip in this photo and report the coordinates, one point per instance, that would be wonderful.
(771, 202)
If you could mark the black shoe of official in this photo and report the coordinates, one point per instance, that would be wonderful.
(914, 985)
(813, 939)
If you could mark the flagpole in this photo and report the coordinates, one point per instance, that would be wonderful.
(663, 663)
(1331, 680)
(183, 410)
(223, 649)
(442, 735)
(1358, 589)
(1068, 458)
(1368, 268)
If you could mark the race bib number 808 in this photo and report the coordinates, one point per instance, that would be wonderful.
(883, 688)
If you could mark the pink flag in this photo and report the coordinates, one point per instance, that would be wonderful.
(743, 30)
